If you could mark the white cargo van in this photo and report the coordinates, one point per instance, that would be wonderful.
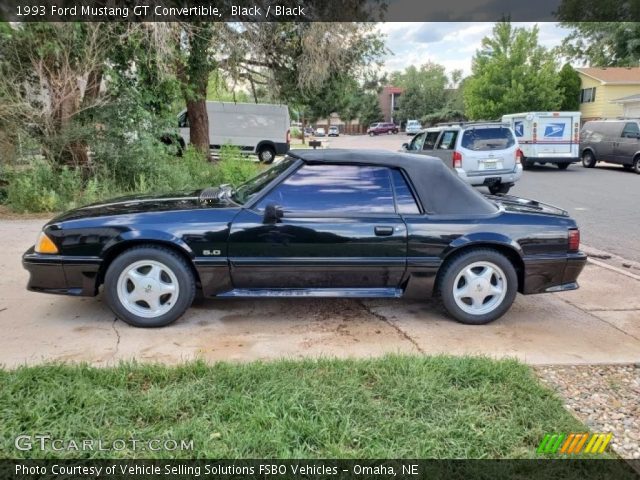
(259, 128)
(547, 137)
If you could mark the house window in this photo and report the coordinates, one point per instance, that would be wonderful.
(588, 95)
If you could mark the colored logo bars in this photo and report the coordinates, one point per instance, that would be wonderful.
(574, 443)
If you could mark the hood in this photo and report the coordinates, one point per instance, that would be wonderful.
(185, 200)
(525, 205)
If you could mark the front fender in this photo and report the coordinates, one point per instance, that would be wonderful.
(139, 236)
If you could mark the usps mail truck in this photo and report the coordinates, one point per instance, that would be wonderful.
(547, 137)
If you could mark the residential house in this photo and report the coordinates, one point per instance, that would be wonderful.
(389, 102)
(602, 87)
(630, 105)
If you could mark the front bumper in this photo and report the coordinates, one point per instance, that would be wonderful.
(61, 274)
(552, 273)
(488, 177)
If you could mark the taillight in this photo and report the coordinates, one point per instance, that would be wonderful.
(457, 160)
(574, 240)
(518, 156)
(289, 136)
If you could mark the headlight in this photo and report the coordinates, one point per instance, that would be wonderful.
(45, 245)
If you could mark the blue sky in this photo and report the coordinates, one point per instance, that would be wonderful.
(450, 44)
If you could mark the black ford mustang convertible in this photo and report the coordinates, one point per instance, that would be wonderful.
(326, 223)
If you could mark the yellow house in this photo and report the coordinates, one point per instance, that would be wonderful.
(602, 86)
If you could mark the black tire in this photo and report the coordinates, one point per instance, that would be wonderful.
(588, 159)
(636, 164)
(502, 188)
(371, 134)
(563, 166)
(395, 132)
(167, 257)
(527, 164)
(457, 264)
(266, 154)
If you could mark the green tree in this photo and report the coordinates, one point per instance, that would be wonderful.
(511, 73)
(603, 44)
(424, 90)
(569, 85)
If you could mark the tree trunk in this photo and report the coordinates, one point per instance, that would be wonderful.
(195, 79)
(199, 125)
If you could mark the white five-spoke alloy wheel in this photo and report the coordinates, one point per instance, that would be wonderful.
(148, 288)
(477, 286)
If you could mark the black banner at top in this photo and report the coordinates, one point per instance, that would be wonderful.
(320, 10)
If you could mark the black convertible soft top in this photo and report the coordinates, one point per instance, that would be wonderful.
(439, 189)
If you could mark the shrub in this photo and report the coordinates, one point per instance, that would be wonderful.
(42, 187)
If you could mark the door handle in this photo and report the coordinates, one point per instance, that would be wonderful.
(383, 231)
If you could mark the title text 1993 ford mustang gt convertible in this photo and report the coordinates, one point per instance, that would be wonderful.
(328, 223)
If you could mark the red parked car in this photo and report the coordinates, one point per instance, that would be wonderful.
(382, 127)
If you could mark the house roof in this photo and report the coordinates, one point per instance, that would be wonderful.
(627, 99)
(613, 75)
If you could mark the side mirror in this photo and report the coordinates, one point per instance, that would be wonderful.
(272, 213)
(405, 146)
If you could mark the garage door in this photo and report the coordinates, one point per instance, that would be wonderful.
(632, 110)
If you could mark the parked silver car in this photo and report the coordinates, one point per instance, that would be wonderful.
(481, 153)
(613, 141)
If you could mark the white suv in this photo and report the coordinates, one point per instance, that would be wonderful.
(481, 153)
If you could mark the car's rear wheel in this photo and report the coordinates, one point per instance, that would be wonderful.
(563, 166)
(149, 286)
(478, 286)
(499, 188)
(266, 154)
(588, 159)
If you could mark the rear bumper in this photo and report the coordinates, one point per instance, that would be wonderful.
(489, 177)
(555, 160)
(552, 273)
(62, 275)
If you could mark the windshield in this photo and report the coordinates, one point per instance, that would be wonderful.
(246, 191)
(482, 139)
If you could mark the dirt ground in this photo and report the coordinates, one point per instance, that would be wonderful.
(599, 323)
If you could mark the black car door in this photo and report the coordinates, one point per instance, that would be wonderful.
(339, 229)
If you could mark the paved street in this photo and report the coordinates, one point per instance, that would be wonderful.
(604, 200)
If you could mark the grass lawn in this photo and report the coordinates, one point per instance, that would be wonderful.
(393, 407)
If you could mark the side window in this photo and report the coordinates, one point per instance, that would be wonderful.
(631, 130)
(417, 142)
(334, 189)
(183, 121)
(405, 201)
(448, 140)
(430, 140)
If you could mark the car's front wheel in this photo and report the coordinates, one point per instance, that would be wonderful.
(149, 286)
(636, 165)
(588, 159)
(478, 286)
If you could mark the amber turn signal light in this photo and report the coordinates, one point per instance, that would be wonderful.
(45, 244)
